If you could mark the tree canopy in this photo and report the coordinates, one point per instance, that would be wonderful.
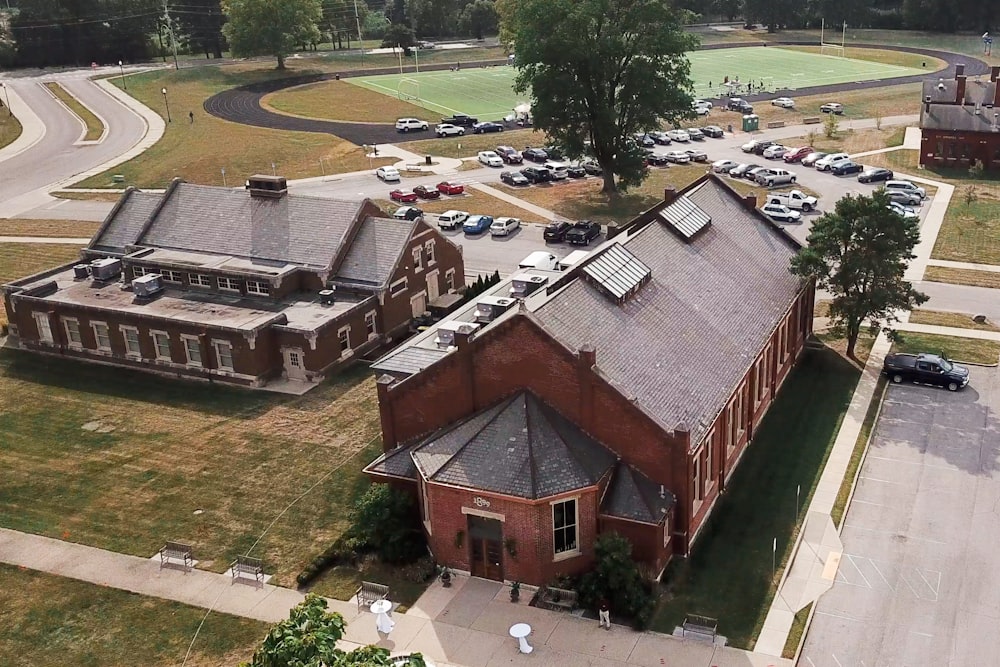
(599, 71)
(859, 252)
(267, 27)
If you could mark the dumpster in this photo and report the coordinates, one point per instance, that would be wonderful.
(751, 122)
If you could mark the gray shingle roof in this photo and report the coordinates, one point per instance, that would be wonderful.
(375, 251)
(126, 221)
(961, 118)
(981, 91)
(295, 229)
(394, 463)
(679, 347)
(409, 360)
(519, 447)
(631, 495)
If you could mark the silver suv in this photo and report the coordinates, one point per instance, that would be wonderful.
(906, 186)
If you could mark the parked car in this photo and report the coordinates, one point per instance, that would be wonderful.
(504, 226)
(701, 109)
(775, 152)
(576, 171)
(771, 177)
(513, 178)
(905, 211)
(487, 126)
(426, 193)
(537, 174)
(408, 124)
(408, 213)
(660, 137)
(644, 140)
(795, 199)
(535, 154)
(751, 173)
(509, 155)
(694, 134)
(556, 231)
(450, 188)
(449, 130)
(723, 166)
(740, 169)
(452, 219)
(906, 186)
(826, 163)
(583, 232)
(811, 159)
(832, 107)
(750, 145)
(905, 198)
(657, 160)
(696, 155)
(873, 174)
(680, 157)
(845, 167)
(558, 170)
(798, 154)
(780, 213)
(713, 131)
(477, 224)
(762, 146)
(702, 103)
(679, 135)
(925, 369)
(592, 168)
(739, 104)
(387, 174)
(783, 102)
(462, 119)
(404, 197)
(490, 159)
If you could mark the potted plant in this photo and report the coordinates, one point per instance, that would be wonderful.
(515, 591)
(445, 577)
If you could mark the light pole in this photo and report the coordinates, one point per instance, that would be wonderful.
(166, 103)
(121, 69)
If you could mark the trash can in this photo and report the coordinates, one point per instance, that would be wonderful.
(427, 160)
(751, 122)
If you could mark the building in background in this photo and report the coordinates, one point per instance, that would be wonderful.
(960, 121)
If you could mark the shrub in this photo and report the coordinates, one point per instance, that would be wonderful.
(386, 521)
(617, 578)
(831, 125)
(338, 553)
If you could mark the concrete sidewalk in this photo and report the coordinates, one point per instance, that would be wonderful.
(43, 239)
(516, 201)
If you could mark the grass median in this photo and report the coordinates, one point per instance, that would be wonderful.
(948, 319)
(94, 125)
(969, 350)
(74, 229)
(10, 128)
(971, 228)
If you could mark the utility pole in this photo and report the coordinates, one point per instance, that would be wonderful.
(170, 30)
(357, 19)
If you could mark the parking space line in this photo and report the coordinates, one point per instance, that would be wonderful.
(891, 532)
(846, 618)
(876, 479)
(891, 587)
(867, 583)
(922, 634)
(834, 656)
(866, 502)
(810, 661)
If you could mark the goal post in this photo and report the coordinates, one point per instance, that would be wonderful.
(831, 49)
(408, 90)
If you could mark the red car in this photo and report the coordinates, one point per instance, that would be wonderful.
(404, 197)
(449, 188)
(424, 193)
(797, 154)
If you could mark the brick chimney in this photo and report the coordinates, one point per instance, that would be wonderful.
(959, 70)
(960, 89)
(750, 201)
(669, 194)
(995, 73)
(586, 360)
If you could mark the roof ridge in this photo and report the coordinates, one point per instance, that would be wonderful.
(544, 408)
(532, 468)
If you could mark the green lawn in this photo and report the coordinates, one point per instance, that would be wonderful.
(971, 230)
(10, 128)
(728, 575)
(50, 620)
(969, 350)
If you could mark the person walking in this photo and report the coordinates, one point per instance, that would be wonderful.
(604, 612)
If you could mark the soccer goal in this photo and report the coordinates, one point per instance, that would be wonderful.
(408, 90)
(830, 49)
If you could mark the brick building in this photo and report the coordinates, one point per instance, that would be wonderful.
(617, 396)
(960, 121)
(240, 286)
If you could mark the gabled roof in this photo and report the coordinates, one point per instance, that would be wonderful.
(394, 463)
(957, 118)
(519, 447)
(633, 496)
(125, 221)
(375, 251)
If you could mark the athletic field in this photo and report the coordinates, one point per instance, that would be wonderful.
(487, 93)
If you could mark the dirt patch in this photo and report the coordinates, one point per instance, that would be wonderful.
(73, 229)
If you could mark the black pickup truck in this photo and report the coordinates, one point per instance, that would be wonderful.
(461, 119)
(925, 369)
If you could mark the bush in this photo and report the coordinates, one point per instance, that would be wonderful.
(338, 553)
(386, 521)
(617, 578)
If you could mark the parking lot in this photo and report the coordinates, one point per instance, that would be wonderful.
(919, 581)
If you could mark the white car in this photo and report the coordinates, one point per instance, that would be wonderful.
(490, 159)
(504, 226)
(702, 103)
(449, 130)
(827, 163)
(776, 151)
(407, 124)
(452, 219)
(780, 213)
(832, 107)
(784, 102)
(387, 174)
(559, 170)
(749, 146)
(723, 166)
(679, 157)
(678, 135)
(702, 110)
(905, 211)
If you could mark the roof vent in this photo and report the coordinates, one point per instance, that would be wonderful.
(526, 284)
(328, 296)
(491, 307)
(107, 268)
(262, 185)
(81, 271)
(447, 330)
(147, 286)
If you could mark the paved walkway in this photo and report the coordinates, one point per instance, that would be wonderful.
(32, 127)
(43, 239)
(992, 268)
(980, 334)
(464, 625)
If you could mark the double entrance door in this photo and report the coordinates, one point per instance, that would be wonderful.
(486, 547)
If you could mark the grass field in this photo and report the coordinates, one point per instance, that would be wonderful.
(95, 128)
(10, 128)
(945, 274)
(487, 92)
(50, 620)
(971, 231)
(969, 350)
(77, 229)
(22, 259)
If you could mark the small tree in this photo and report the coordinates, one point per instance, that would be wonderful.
(831, 125)
(385, 520)
(617, 579)
(859, 253)
(398, 35)
(265, 27)
(878, 118)
(811, 137)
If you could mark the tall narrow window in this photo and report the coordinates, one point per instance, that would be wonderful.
(161, 341)
(73, 332)
(344, 338)
(192, 348)
(102, 336)
(44, 330)
(371, 328)
(224, 354)
(418, 259)
(429, 251)
(564, 523)
(131, 336)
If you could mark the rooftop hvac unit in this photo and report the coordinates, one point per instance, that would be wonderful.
(491, 307)
(147, 285)
(526, 284)
(447, 330)
(105, 269)
(81, 271)
(328, 296)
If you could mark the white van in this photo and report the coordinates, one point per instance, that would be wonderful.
(539, 260)
(559, 170)
(572, 259)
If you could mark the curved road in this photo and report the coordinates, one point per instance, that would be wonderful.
(242, 104)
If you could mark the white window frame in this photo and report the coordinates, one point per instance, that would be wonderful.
(216, 346)
(418, 259)
(731, 427)
(344, 333)
(575, 551)
(171, 276)
(97, 338)
(393, 291)
(224, 284)
(44, 327)
(666, 531)
(425, 505)
(258, 287)
(138, 271)
(77, 344)
(156, 345)
(449, 279)
(697, 478)
(429, 251)
(709, 473)
(199, 280)
(125, 330)
(371, 324)
(187, 339)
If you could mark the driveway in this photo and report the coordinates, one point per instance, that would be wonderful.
(919, 582)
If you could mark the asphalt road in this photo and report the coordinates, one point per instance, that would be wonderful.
(919, 581)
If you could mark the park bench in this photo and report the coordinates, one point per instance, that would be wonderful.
(369, 592)
(558, 599)
(702, 627)
(812, 120)
(176, 551)
(249, 567)
(775, 123)
(414, 168)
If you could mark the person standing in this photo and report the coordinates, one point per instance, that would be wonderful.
(604, 612)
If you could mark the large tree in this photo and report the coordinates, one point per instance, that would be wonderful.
(271, 27)
(859, 252)
(308, 638)
(200, 23)
(479, 18)
(599, 71)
